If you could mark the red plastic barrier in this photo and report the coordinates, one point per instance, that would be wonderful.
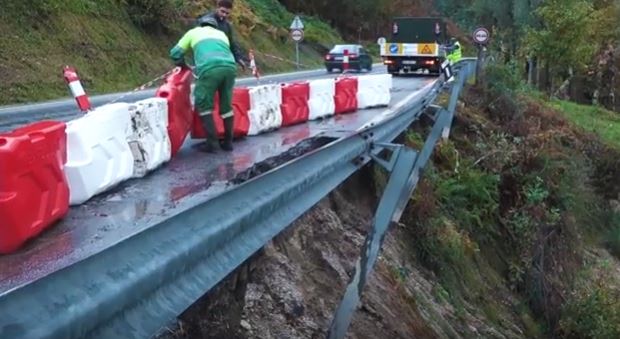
(176, 90)
(33, 189)
(346, 95)
(295, 103)
(241, 106)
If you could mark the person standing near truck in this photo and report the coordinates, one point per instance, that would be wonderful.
(454, 52)
(216, 71)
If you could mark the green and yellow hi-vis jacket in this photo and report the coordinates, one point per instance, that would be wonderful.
(210, 46)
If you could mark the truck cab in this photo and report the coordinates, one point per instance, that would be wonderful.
(416, 43)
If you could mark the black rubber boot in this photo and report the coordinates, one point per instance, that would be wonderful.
(227, 143)
(210, 144)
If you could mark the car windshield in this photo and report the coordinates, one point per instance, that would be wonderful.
(341, 48)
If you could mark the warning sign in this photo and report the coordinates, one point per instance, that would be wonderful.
(427, 49)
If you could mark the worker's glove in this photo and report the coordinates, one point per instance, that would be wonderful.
(182, 65)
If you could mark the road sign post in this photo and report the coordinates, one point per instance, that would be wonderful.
(297, 34)
(481, 37)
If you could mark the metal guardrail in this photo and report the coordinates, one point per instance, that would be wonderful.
(135, 286)
(406, 166)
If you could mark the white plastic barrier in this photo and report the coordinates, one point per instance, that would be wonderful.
(321, 102)
(149, 141)
(98, 155)
(373, 90)
(264, 113)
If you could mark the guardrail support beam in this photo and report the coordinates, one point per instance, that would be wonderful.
(387, 164)
(406, 166)
(400, 165)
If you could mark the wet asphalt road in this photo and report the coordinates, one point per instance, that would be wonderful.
(189, 179)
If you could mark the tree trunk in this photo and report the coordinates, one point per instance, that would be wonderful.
(539, 75)
(544, 77)
(598, 83)
(562, 92)
(614, 72)
(548, 84)
(530, 70)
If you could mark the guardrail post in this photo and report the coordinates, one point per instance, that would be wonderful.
(400, 164)
(457, 86)
(481, 55)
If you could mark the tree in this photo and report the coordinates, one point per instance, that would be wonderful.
(565, 40)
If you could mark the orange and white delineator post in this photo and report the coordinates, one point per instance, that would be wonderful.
(255, 71)
(345, 61)
(73, 81)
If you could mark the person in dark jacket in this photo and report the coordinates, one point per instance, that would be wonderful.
(221, 14)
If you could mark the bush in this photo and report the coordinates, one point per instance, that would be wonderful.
(503, 85)
(467, 193)
(155, 13)
(501, 79)
(592, 312)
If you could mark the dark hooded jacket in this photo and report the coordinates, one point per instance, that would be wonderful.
(226, 27)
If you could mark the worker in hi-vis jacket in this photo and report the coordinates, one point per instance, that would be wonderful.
(216, 71)
(454, 51)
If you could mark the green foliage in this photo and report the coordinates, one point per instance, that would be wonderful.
(593, 119)
(567, 33)
(317, 34)
(593, 311)
(414, 139)
(535, 192)
(503, 84)
(117, 45)
(315, 30)
(524, 223)
(43, 9)
(272, 12)
(503, 79)
(97, 37)
(155, 13)
(471, 197)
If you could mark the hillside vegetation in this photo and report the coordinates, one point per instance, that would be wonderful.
(117, 45)
(523, 201)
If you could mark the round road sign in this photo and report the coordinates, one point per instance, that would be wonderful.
(297, 35)
(381, 40)
(481, 35)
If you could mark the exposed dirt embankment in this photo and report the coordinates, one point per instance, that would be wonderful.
(292, 287)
